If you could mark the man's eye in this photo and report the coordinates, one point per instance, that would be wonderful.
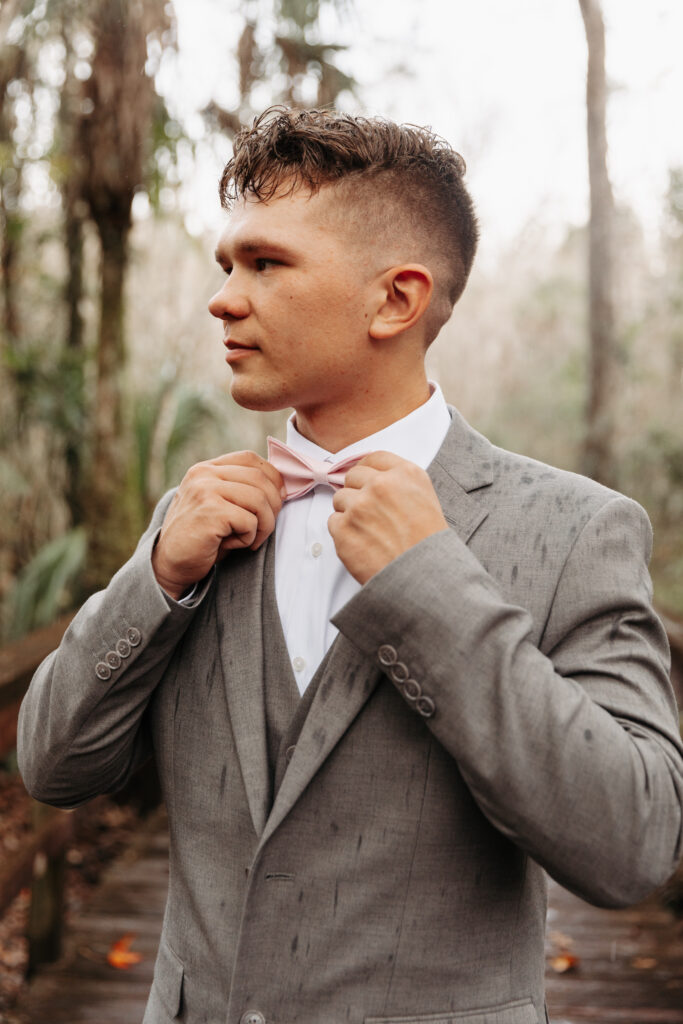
(262, 263)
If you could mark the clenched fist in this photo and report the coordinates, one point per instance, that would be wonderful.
(386, 506)
(225, 503)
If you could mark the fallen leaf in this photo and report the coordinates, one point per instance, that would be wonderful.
(643, 963)
(121, 956)
(564, 962)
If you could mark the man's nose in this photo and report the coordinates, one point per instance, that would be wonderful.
(229, 302)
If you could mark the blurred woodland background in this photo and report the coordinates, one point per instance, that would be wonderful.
(111, 373)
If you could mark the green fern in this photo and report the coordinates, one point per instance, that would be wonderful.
(44, 587)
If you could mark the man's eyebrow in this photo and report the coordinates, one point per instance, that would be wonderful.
(251, 245)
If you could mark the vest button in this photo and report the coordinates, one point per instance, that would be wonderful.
(252, 1017)
(289, 753)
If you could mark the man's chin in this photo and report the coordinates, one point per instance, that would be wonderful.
(257, 397)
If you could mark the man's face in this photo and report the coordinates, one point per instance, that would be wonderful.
(296, 303)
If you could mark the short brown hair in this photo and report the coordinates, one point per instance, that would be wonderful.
(410, 178)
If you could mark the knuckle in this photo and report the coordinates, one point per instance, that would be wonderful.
(382, 485)
(194, 472)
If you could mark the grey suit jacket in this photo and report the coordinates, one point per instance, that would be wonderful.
(496, 704)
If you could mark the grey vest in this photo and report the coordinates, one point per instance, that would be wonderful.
(285, 709)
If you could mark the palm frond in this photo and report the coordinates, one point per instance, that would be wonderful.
(43, 588)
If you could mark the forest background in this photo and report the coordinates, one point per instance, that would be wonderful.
(115, 120)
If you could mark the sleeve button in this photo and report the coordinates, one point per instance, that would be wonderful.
(123, 648)
(426, 706)
(399, 672)
(112, 659)
(133, 636)
(411, 689)
(387, 655)
(102, 670)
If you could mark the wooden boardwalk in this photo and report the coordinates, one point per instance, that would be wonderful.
(82, 988)
(629, 970)
(630, 963)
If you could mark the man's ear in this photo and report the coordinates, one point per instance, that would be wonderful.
(405, 293)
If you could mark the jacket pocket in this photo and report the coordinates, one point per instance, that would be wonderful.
(521, 1011)
(168, 979)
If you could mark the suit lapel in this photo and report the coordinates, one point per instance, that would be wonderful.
(462, 464)
(239, 589)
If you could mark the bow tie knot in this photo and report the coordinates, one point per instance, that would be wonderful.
(301, 473)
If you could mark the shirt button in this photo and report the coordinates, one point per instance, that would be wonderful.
(299, 664)
(252, 1017)
(316, 549)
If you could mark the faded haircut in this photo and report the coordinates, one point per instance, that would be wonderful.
(396, 182)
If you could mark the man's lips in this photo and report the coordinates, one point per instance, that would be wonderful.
(236, 349)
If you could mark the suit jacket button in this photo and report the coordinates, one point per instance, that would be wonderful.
(289, 753)
(123, 648)
(387, 655)
(252, 1017)
(426, 706)
(113, 659)
(102, 670)
(133, 636)
(411, 689)
(399, 672)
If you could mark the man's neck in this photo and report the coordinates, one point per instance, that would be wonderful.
(336, 428)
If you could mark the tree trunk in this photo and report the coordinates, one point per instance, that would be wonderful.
(73, 294)
(12, 66)
(598, 452)
(11, 229)
(108, 511)
(74, 214)
(114, 141)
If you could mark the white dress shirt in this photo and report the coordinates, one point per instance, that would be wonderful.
(311, 583)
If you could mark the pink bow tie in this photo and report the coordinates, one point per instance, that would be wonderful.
(302, 473)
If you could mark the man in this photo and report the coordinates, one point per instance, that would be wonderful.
(361, 809)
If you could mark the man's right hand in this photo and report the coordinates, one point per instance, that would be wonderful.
(225, 503)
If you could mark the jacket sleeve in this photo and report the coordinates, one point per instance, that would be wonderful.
(570, 748)
(81, 730)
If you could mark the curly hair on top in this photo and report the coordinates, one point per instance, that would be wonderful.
(391, 168)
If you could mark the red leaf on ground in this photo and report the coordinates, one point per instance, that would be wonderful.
(121, 956)
(564, 962)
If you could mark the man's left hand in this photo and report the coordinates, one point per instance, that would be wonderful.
(386, 506)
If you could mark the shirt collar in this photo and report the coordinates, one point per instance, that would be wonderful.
(416, 437)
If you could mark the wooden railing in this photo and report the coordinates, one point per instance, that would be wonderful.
(40, 860)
